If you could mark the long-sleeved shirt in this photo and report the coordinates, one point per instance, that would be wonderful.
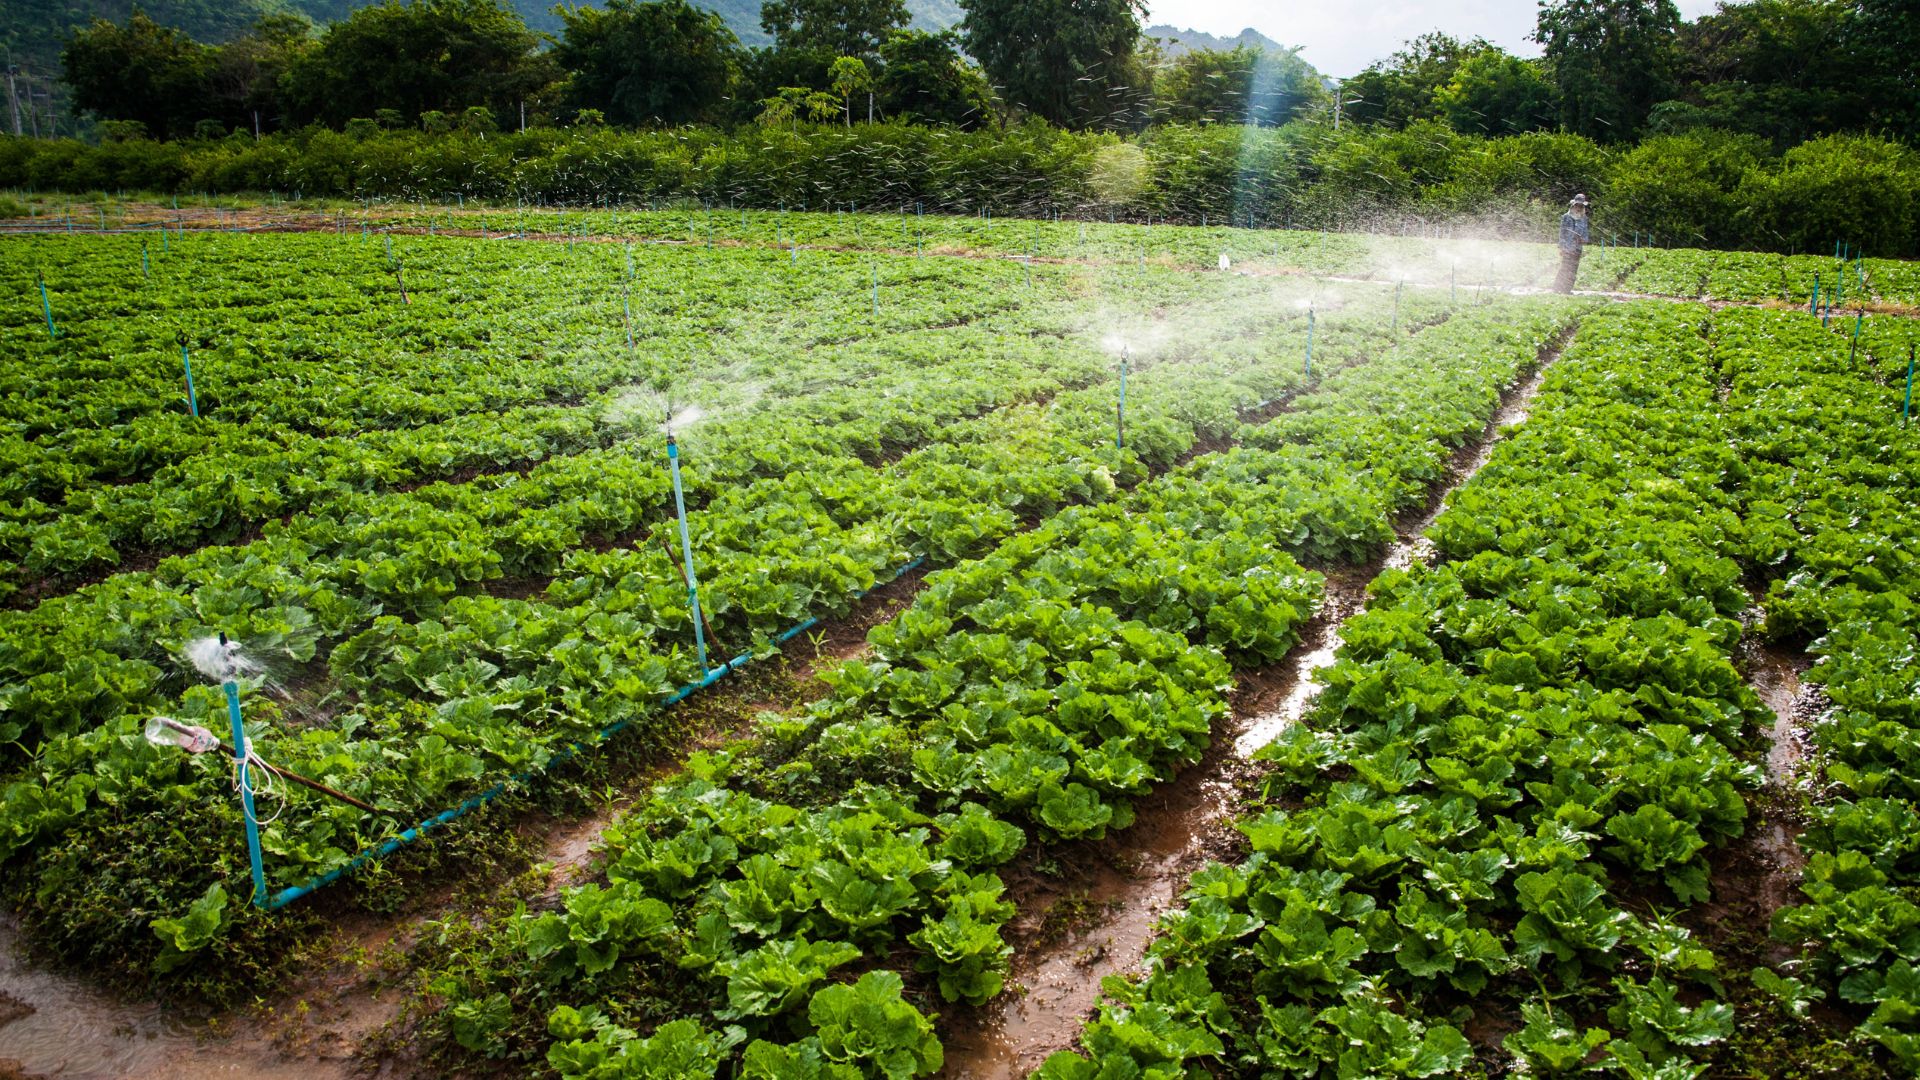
(1573, 231)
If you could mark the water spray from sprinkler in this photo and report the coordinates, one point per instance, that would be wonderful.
(1309, 372)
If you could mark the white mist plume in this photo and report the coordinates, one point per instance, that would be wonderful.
(219, 660)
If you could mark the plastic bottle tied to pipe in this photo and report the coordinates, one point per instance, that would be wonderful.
(166, 731)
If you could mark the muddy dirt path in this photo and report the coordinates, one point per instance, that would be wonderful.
(1759, 873)
(1092, 914)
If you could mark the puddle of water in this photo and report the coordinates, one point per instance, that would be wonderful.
(74, 1031)
(1774, 675)
(1310, 656)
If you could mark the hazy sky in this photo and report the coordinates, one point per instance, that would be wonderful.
(1343, 36)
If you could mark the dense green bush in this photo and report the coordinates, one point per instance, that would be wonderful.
(1696, 188)
(1842, 187)
(1682, 187)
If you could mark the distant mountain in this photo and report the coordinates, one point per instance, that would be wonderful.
(1174, 41)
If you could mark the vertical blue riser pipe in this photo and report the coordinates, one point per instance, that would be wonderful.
(686, 551)
(246, 793)
(193, 402)
(46, 306)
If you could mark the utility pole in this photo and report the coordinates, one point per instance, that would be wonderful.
(33, 114)
(523, 116)
(256, 125)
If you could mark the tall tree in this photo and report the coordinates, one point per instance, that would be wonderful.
(1887, 34)
(1067, 61)
(143, 72)
(1244, 85)
(1778, 68)
(418, 57)
(1400, 89)
(836, 27)
(1612, 61)
(247, 71)
(927, 81)
(1496, 93)
(647, 61)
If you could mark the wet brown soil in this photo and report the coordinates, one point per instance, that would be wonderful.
(1759, 873)
(57, 1025)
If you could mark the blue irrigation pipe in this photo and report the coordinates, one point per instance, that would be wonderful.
(566, 753)
(686, 550)
(193, 402)
(47, 307)
(1906, 406)
(246, 790)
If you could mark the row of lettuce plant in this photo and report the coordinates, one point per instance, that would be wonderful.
(1033, 693)
(77, 659)
(1511, 781)
(1689, 273)
(904, 230)
(476, 687)
(1833, 469)
(93, 479)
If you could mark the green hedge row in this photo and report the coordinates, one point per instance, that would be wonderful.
(1696, 189)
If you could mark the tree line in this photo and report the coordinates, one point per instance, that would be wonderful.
(1771, 124)
(1611, 70)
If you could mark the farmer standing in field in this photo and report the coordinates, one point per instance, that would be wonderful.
(1573, 241)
